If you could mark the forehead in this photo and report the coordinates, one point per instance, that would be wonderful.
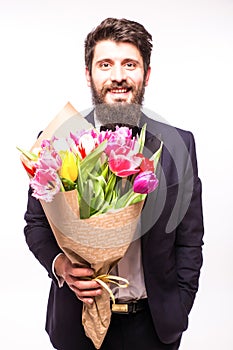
(109, 49)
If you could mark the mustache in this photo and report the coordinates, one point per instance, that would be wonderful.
(98, 97)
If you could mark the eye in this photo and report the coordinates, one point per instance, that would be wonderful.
(104, 65)
(130, 65)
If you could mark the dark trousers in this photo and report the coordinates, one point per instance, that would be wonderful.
(134, 331)
(129, 331)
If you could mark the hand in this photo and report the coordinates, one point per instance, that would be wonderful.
(74, 276)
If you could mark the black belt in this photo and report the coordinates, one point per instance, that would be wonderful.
(129, 307)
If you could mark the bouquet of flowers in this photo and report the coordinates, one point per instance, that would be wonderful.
(92, 186)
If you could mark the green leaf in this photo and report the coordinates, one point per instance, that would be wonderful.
(121, 202)
(156, 155)
(68, 184)
(27, 154)
(89, 162)
(137, 198)
(105, 207)
(129, 198)
(142, 138)
(99, 179)
(85, 200)
(105, 170)
(98, 197)
(110, 187)
(80, 180)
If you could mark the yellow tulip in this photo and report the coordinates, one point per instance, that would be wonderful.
(69, 166)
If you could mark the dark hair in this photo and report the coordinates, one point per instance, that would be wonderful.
(119, 30)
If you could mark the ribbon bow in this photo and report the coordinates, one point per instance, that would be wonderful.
(104, 279)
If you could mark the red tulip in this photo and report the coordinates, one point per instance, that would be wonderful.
(28, 165)
(146, 163)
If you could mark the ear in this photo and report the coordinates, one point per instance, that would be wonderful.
(147, 76)
(88, 76)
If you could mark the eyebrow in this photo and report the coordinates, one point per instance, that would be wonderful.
(125, 60)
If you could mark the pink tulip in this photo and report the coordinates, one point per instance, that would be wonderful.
(104, 135)
(123, 163)
(123, 132)
(46, 183)
(121, 137)
(145, 182)
(49, 159)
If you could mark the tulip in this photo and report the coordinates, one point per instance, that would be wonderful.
(49, 159)
(29, 160)
(123, 164)
(145, 182)
(120, 139)
(69, 168)
(146, 163)
(28, 167)
(85, 142)
(45, 184)
(86, 145)
(124, 132)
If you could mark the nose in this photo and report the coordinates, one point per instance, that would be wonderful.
(118, 73)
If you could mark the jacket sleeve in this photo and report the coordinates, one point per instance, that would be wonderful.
(39, 236)
(189, 237)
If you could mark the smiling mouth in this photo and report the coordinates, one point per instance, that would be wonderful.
(119, 90)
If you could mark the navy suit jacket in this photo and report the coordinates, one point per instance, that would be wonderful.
(172, 233)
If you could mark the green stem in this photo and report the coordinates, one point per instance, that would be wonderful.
(62, 187)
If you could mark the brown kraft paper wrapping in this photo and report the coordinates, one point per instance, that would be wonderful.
(99, 242)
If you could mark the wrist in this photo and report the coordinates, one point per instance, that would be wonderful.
(59, 265)
(57, 271)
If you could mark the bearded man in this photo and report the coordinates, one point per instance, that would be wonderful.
(163, 264)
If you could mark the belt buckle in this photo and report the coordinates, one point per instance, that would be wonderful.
(120, 308)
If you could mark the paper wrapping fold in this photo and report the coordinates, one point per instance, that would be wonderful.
(99, 242)
(68, 119)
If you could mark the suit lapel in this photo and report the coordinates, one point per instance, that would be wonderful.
(90, 118)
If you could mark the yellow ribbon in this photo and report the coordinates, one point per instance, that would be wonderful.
(104, 279)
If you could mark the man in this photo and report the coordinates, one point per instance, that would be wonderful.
(164, 264)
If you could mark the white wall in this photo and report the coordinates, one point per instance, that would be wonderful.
(42, 67)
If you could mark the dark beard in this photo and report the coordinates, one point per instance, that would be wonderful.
(120, 112)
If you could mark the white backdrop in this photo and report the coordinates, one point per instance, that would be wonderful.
(42, 67)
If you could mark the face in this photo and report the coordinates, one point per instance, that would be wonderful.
(117, 73)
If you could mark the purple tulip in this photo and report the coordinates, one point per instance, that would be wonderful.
(145, 182)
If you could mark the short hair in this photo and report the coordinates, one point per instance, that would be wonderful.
(119, 30)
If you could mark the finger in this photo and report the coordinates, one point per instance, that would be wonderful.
(86, 285)
(81, 272)
(85, 292)
(88, 293)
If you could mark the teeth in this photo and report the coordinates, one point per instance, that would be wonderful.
(119, 91)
